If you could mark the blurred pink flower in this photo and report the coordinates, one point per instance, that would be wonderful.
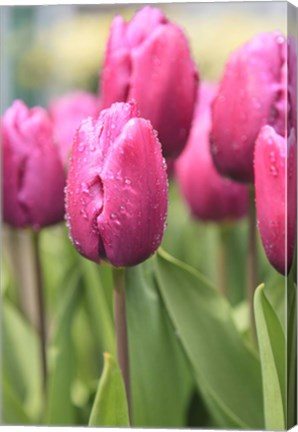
(67, 113)
(33, 176)
(252, 94)
(148, 59)
(209, 195)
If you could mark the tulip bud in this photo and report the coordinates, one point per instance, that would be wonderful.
(148, 59)
(252, 94)
(210, 196)
(33, 176)
(67, 112)
(276, 191)
(116, 188)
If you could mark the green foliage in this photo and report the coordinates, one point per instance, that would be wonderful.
(273, 355)
(160, 374)
(110, 405)
(60, 409)
(20, 365)
(222, 363)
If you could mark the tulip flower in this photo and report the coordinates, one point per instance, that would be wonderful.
(276, 191)
(252, 94)
(67, 112)
(209, 195)
(117, 187)
(148, 59)
(33, 175)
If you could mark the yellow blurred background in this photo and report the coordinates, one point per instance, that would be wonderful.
(48, 50)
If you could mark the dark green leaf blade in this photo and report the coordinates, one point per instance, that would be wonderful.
(227, 371)
(160, 373)
(110, 404)
(273, 353)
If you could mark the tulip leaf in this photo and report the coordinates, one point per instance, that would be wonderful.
(160, 374)
(110, 404)
(20, 356)
(291, 415)
(12, 410)
(227, 371)
(60, 410)
(273, 354)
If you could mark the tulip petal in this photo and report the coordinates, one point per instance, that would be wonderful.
(33, 176)
(67, 112)
(251, 95)
(209, 195)
(135, 201)
(169, 101)
(116, 190)
(116, 73)
(275, 182)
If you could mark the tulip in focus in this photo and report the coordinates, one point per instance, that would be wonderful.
(148, 59)
(210, 196)
(252, 94)
(67, 113)
(276, 191)
(117, 187)
(33, 175)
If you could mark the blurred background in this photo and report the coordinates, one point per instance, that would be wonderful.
(48, 50)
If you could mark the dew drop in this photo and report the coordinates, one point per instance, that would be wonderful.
(81, 147)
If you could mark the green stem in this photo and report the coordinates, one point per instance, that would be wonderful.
(252, 259)
(40, 306)
(121, 330)
(99, 309)
(222, 264)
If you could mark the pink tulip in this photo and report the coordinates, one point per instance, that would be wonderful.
(276, 191)
(148, 59)
(33, 176)
(209, 196)
(67, 113)
(117, 187)
(252, 94)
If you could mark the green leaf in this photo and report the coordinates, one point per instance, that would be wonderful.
(110, 404)
(12, 411)
(291, 350)
(160, 373)
(272, 352)
(60, 409)
(20, 356)
(227, 371)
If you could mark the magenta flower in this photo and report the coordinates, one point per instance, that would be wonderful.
(252, 94)
(148, 59)
(209, 195)
(276, 191)
(33, 176)
(117, 187)
(67, 113)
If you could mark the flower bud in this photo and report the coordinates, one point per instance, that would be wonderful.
(276, 191)
(209, 195)
(252, 94)
(116, 188)
(33, 176)
(67, 112)
(148, 59)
